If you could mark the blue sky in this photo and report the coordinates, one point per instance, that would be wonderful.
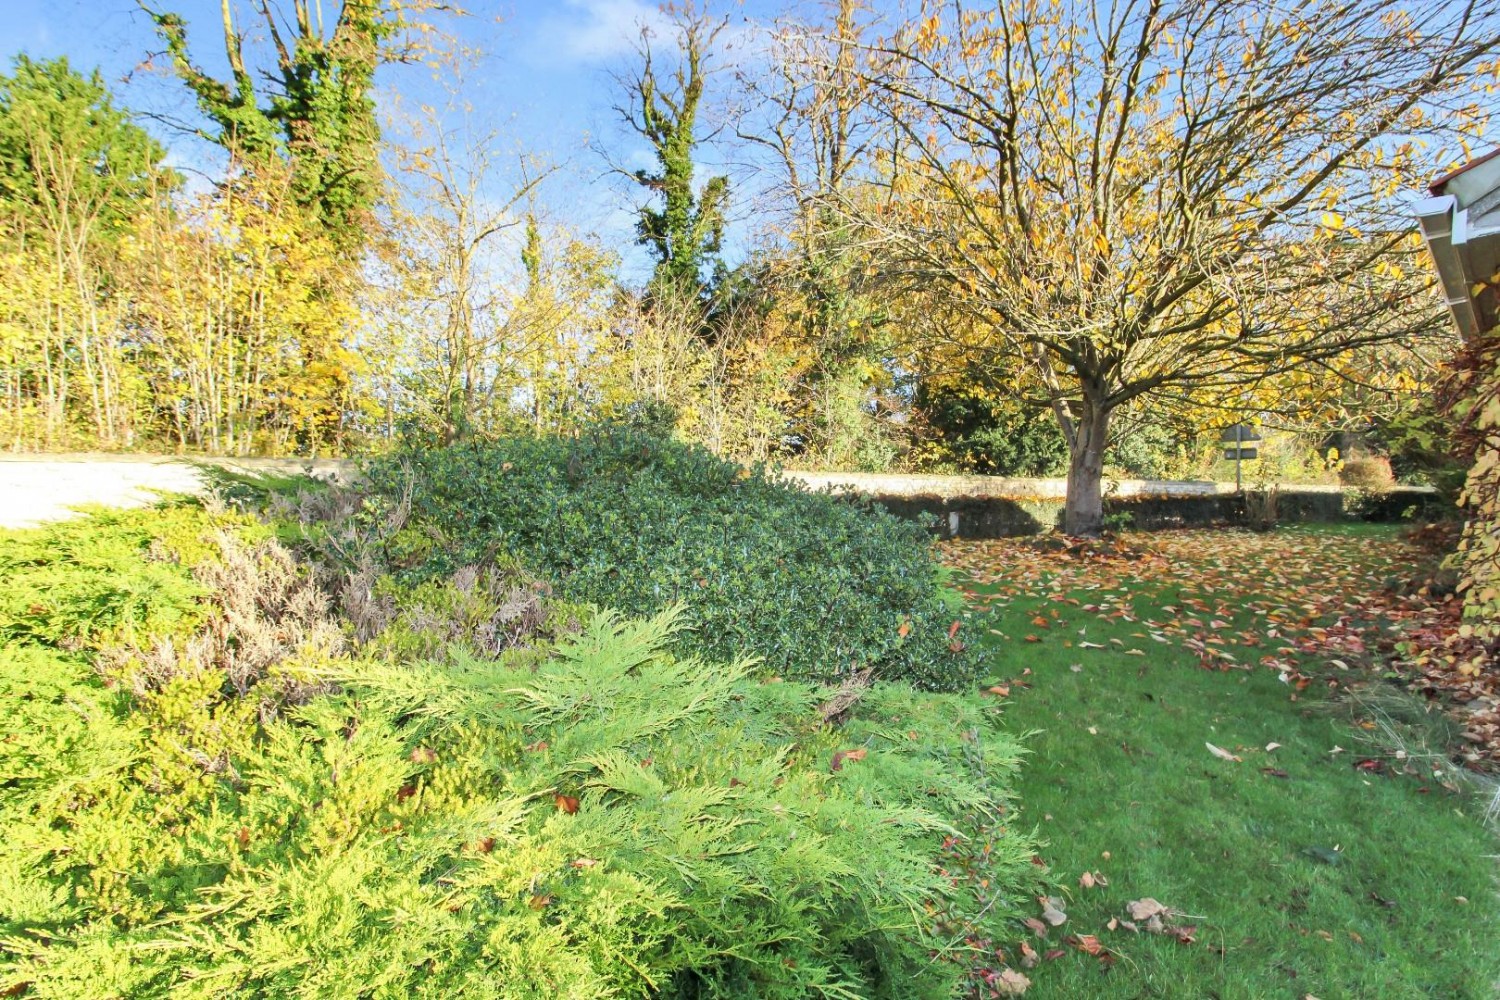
(543, 82)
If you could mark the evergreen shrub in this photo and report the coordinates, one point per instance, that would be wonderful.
(817, 586)
(247, 800)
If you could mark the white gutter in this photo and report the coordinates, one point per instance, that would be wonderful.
(1445, 228)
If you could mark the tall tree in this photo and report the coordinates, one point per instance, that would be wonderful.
(458, 206)
(810, 112)
(74, 172)
(312, 105)
(684, 229)
(1149, 198)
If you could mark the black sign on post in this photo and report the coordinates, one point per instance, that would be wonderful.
(1235, 436)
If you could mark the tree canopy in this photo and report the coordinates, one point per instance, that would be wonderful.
(1165, 197)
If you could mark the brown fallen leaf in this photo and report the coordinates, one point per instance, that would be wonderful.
(1036, 926)
(1087, 943)
(1145, 909)
(1029, 957)
(1011, 983)
(1184, 934)
(584, 862)
(1053, 954)
(839, 756)
(566, 803)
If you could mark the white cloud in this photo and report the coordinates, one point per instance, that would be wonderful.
(599, 31)
(602, 32)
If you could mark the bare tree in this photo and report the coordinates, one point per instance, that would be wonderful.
(458, 204)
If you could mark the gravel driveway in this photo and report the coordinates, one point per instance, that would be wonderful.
(38, 488)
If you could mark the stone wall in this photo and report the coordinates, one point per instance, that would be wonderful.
(995, 507)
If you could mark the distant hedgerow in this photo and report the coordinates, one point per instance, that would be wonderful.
(817, 586)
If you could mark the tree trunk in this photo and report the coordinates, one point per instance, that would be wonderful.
(1083, 512)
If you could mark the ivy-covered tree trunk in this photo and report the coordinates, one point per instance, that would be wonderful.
(686, 231)
(313, 108)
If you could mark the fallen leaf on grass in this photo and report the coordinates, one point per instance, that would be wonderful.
(1090, 879)
(1087, 943)
(1052, 911)
(1145, 909)
(1011, 983)
(1274, 772)
(1029, 957)
(566, 803)
(1221, 753)
(1272, 746)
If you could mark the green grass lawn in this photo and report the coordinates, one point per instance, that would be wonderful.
(1300, 872)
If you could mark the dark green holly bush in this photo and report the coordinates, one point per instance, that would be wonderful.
(815, 585)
